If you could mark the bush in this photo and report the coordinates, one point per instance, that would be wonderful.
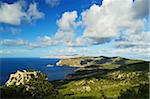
(13, 92)
(140, 92)
(39, 89)
(35, 88)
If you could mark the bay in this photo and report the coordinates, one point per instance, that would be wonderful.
(45, 65)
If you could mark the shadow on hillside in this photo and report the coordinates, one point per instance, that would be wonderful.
(99, 73)
(141, 66)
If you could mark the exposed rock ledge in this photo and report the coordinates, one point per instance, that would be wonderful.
(72, 62)
(21, 77)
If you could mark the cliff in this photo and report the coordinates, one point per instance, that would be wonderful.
(28, 85)
(22, 77)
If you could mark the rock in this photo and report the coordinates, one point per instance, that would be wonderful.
(83, 89)
(58, 63)
(91, 81)
(119, 76)
(21, 77)
(82, 82)
(86, 88)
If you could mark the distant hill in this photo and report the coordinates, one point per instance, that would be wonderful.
(100, 61)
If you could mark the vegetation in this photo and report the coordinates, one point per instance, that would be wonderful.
(35, 88)
(101, 62)
(108, 78)
(102, 78)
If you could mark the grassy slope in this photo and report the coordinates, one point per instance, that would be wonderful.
(97, 78)
(106, 79)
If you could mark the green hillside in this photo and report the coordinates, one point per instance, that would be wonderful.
(103, 77)
(95, 78)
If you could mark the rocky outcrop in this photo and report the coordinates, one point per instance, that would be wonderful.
(22, 77)
(73, 62)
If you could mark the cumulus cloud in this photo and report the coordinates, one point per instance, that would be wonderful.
(141, 8)
(41, 42)
(138, 44)
(13, 42)
(53, 3)
(46, 40)
(82, 42)
(106, 21)
(15, 10)
(64, 35)
(18, 13)
(102, 23)
(66, 27)
(122, 21)
(138, 40)
(33, 13)
(67, 21)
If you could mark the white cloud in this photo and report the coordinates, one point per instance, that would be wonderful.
(46, 40)
(67, 21)
(141, 8)
(15, 10)
(33, 13)
(52, 3)
(102, 23)
(12, 30)
(33, 45)
(18, 13)
(65, 51)
(106, 21)
(80, 42)
(13, 42)
(133, 52)
(40, 42)
(136, 45)
(66, 27)
(138, 40)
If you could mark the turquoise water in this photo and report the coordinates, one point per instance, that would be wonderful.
(11, 65)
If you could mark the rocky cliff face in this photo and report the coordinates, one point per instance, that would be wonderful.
(21, 77)
(74, 62)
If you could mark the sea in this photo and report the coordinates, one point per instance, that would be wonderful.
(45, 65)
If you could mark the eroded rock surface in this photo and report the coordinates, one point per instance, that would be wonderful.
(22, 77)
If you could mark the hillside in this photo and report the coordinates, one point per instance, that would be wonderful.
(27, 84)
(104, 77)
(95, 78)
(101, 61)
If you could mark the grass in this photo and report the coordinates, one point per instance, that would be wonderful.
(111, 84)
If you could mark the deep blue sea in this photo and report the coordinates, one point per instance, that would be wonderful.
(11, 65)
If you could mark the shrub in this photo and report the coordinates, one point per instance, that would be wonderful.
(141, 92)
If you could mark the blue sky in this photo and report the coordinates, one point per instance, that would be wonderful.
(42, 28)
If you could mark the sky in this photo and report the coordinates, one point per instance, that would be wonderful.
(42, 28)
